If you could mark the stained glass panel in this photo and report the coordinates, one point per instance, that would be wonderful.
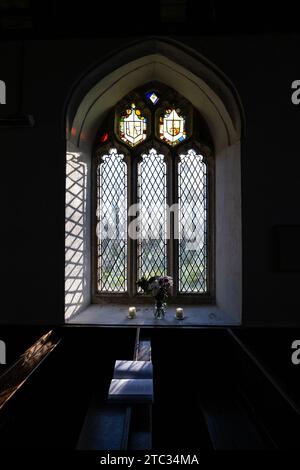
(112, 223)
(172, 127)
(192, 199)
(133, 126)
(152, 241)
(152, 96)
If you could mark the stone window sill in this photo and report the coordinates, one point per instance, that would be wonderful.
(116, 315)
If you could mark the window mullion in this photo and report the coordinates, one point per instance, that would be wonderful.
(174, 219)
(132, 243)
(170, 220)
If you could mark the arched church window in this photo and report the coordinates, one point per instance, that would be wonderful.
(153, 198)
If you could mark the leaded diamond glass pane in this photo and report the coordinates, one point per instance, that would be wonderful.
(192, 187)
(152, 240)
(112, 223)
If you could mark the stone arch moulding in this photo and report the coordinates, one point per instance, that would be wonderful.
(212, 93)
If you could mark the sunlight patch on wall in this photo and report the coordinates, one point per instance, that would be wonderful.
(75, 234)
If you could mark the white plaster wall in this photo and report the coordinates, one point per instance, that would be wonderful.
(77, 233)
(2, 92)
(228, 231)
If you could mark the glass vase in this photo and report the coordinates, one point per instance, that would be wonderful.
(159, 309)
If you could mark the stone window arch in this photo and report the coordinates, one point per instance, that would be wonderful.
(214, 97)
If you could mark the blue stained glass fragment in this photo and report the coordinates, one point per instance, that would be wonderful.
(151, 96)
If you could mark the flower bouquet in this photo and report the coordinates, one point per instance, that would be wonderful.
(159, 287)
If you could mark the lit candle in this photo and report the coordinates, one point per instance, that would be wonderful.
(179, 313)
(131, 312)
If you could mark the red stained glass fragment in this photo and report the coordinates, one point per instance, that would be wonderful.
(104, 137)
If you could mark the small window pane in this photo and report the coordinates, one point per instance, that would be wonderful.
(133, 126)
(112, 223)
(152, 96)
(192, 186)
(172, 127)
(152, 241)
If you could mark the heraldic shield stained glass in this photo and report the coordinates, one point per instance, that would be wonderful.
(133, 126)
(172, 127)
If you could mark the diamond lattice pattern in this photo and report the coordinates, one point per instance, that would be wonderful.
(152, 242)
(192, 187)
(112, 223)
